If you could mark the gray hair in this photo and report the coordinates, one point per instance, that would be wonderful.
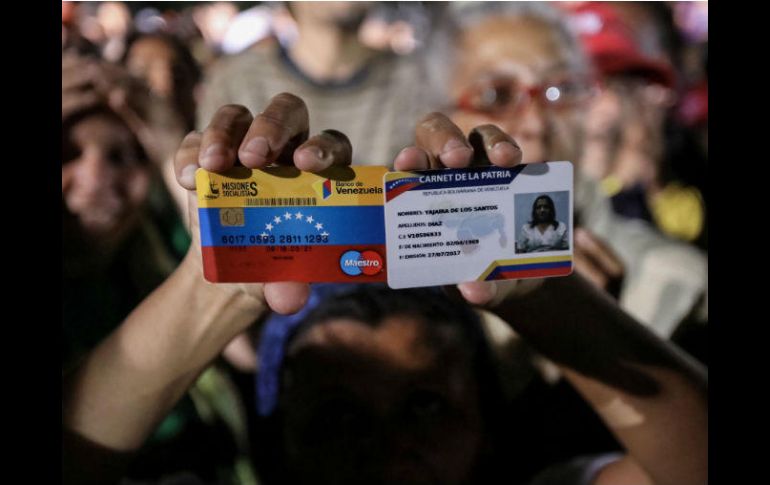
(460, 16)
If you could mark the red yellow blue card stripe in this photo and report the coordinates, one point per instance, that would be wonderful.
(528, 268)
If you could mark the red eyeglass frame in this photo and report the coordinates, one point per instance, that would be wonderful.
(526, 92)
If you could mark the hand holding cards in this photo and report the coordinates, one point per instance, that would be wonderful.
(437, 227)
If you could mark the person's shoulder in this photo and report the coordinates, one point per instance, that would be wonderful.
(562, 227)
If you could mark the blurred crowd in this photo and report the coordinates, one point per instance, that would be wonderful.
(620, 89)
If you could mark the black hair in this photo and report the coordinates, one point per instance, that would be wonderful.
(190, 72)
(371, 305)
(549, 200)
(180, 48)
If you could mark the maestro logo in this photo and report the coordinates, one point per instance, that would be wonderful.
(355, 263)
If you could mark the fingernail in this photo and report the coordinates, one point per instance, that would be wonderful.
(187, 179)
(404, 150)
(255, 152)
(258, 146)
(316, 151)
(310, 158)
(454, 144)
(213, 154)
(456, 153)
(478, 293)
(411, 158)
(505, 151)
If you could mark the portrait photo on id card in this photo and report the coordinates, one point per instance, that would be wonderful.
(542, 222)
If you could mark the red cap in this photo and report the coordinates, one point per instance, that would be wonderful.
(612, 46)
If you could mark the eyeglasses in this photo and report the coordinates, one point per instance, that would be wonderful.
(503, 95)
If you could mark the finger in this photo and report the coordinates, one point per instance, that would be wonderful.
(222, 137)
(412, 158)
(74, 102)
(330, 147)
(107, 77)
(286, 297)
(443, 141)
(70, 58)
(601, 254)
(492, 293)
(491, 145)
(76, 77)
(276, 132)
(186, 160)
(589, 270)
(95, 75)
(478, 292)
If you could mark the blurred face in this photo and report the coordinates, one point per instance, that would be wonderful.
(517, 73)
(160, 65)
(603, 132)
(392, 404)
(543, 211)
(115, 18)
(625, 129)
(104, 180)
(153, 60)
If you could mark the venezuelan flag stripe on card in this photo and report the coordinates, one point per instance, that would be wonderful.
(280, 224)
(528, 268)
(292, 225)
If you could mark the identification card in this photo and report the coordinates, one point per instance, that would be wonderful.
(478, 224)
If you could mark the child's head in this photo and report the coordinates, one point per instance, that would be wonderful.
(382, 386)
